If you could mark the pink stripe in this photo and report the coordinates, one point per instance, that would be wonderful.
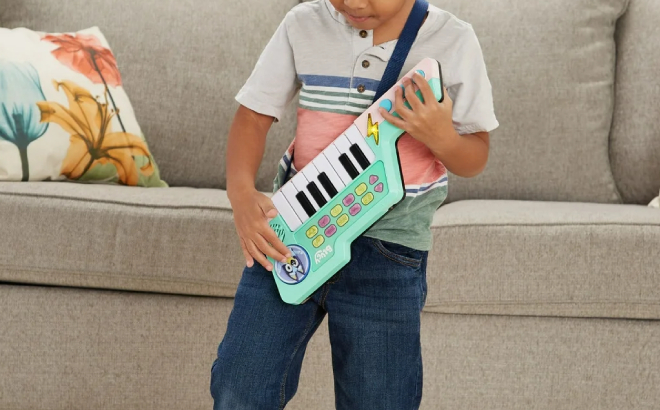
(316, 130)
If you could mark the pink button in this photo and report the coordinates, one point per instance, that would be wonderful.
(349, 200)
(355, 209)
(379, 187)
(373, 179)
(323, 222)
(330, 231)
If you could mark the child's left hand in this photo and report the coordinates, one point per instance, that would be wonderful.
(428, 121)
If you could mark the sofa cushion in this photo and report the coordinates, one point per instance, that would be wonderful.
(490, 257)
(551, 65)
(635, 146)
(183, 62)
(64, 113)
(175, 240)
(544, 258)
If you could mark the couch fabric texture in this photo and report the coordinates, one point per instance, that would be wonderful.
(544, 284)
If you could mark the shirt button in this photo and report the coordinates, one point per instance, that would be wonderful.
(361, 88)
(363, 33)
(365, 64)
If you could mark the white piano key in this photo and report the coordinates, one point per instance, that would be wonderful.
(323, 165)
(289, 191)
(286, 211)
(354, 136)
(332, 155)
(344, 146)
(312, 175)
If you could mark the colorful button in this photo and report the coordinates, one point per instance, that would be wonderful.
(422, 73)
(348, 200)
(336, 210)
(355, 209)
(318, 241)
(342, 220)
(323, 222)
(373, 179)
(386, 104)
(330, 231)
(368, 198)
(312, 231)
(361, 189)
(379, 187)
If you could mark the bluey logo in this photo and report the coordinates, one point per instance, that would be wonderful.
(322, 253)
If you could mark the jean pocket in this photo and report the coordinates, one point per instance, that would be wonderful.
(399, 253)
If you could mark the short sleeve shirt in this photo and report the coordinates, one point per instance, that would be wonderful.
(336, 69)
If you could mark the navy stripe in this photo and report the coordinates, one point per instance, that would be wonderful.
(339, 82)
(426, 188)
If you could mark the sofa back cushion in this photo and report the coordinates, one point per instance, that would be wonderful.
(635, 142)
(551, 65)
(182, 62)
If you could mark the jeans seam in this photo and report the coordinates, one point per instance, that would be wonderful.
(410, 262)
(293, 355)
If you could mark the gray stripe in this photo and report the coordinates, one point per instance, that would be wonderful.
(336, 94)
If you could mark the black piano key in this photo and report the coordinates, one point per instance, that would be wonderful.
(327, 185)
(359, 156)
(316, 194)
(348, 166)
(304, 202)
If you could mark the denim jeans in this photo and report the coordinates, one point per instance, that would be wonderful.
(373, 306)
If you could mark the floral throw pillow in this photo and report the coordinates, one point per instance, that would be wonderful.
(64, 114)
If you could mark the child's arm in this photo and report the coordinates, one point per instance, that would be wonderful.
(245, 148)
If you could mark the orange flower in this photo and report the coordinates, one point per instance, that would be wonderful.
(85, 54)
(88, 122)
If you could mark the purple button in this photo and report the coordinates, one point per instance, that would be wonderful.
(355, 209)
(379, 187)
(330, 231)
(323, 222)
(373, 179)
(349, 200)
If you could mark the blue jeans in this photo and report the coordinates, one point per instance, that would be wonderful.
(373, 306)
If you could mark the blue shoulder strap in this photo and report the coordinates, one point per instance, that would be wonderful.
(406, 39)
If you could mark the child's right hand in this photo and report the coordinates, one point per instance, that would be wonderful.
(252, 211)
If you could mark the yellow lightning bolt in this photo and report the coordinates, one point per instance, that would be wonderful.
(372, 129)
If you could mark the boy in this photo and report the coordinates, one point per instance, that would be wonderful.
(334, 53)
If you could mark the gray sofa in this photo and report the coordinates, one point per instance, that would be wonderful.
(544, 280)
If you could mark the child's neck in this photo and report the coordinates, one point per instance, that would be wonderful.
(391, 29)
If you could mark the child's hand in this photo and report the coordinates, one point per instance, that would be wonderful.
(427, 121)
(252, 210)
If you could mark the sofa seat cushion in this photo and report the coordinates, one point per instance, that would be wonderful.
(173, 240)
(545, 259)
(489, 257)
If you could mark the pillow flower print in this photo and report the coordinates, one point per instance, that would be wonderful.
(64, 114)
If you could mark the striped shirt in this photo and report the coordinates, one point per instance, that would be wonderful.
(335, 69)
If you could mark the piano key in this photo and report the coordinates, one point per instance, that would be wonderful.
(359, 156)
(316, 194)
(323, 166)
(354, 136)
(344, 146)
(327, 185)
(332, 155)
(306, 204)
(348, 165)
(286, 211)
(300, 182)
(289, 191)
(312, 175)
